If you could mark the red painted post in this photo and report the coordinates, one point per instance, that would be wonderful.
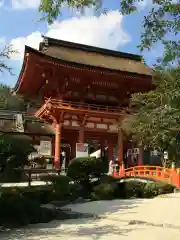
(122, 171)
(173, 175)
(116, 174)
(81, 134)
(178, 178)
(158, 173)
(133, 172)
(163, 173)
(57, 147)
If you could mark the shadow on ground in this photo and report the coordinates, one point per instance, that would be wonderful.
(83, 228)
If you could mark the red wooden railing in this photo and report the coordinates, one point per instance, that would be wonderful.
(83, 107)
(88, 107)
(170, 175)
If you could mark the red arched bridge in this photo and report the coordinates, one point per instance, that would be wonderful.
(169, 175)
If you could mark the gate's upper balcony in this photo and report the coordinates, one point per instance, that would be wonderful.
(52, 105)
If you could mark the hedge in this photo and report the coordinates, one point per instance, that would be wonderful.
(130, 189)
(21, 207)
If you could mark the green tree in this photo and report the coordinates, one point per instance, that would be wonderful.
(14, 153)
(155, 122)
(8, 101)
(83, 170)
(5, 54)
(162, 23)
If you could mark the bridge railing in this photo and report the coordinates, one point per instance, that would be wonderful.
(170, 175)
(149, 171)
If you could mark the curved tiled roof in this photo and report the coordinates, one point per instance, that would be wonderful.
(55, 53)
(94, 57)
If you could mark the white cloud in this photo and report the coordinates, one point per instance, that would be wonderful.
(1, 3)
(22, 4)
(105, 31)
(142, 4)
(19, 43)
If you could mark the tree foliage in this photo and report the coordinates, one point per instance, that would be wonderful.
(9, 101)
(156, 118)
(162, 23)
(51, 9)
(13, 154)
(85, 168)
(5, 54)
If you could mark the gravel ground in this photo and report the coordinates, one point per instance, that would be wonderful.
(132, 219)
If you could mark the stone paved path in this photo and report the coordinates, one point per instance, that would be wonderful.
(134, 219)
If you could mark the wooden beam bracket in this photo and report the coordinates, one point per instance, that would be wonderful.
(83, 119)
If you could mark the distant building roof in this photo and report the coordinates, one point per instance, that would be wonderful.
(32, 125)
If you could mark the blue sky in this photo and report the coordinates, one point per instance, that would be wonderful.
(20, 26)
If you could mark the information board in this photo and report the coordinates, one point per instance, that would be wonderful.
(81, 149)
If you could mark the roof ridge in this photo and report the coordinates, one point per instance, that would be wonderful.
(88, 48)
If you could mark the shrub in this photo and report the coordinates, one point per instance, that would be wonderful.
(104, 161)
(16, 209)
(108, 188)
(130, 189)
(22, 206)
(14, 154)
(81, 169)
(104, 191)
(60, 184)
(84, 169)
(157, 188)
(40, 194)
(107, 179)
(103, 179)
(142, 190)
(75, 191)
(166, 188)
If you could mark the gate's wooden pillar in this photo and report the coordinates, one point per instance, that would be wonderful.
(81, 134)
(82, 122)
(58, 137)
(57, 156)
